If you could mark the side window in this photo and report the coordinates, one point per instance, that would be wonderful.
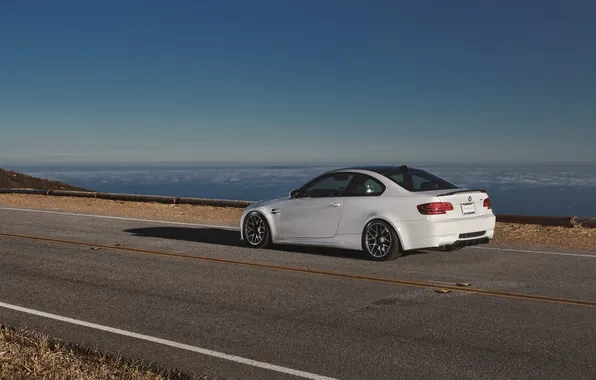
(363, 185)
(420, 183)
(332, 185)
(403, 181)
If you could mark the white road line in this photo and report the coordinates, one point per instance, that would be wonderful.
(204, 351)
(121, 218)
(539, 252)
(441, 282)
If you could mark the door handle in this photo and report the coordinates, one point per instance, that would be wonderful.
(334, 204)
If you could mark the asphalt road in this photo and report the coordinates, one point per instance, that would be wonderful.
(310, 320)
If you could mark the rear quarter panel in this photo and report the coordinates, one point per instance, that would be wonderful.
(396, 210)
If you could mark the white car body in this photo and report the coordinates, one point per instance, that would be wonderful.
(338, 219)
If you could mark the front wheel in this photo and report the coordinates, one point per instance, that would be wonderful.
(380, 241)
(256, 231)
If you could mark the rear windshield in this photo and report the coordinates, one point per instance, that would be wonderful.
(419, 181)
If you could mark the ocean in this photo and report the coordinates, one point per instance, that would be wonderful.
(556, 190)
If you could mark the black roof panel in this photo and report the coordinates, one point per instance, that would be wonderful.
(380, 168)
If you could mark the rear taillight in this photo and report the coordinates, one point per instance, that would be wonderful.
(487, 203)
(435, 208)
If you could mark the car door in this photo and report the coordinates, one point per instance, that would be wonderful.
(316, 211)
(361, 200)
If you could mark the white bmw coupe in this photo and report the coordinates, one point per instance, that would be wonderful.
(383, 211)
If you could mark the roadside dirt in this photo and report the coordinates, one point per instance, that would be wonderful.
(535, 236)
(143, 210)
(520, 235)
(29, 355)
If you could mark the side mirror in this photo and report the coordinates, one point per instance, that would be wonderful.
(294, 193)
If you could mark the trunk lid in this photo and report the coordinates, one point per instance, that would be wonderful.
(467, 203)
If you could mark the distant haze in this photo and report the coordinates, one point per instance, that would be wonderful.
(297, 82)
(531, 189)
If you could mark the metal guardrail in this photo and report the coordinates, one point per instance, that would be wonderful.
(565, 221)
(134, 197)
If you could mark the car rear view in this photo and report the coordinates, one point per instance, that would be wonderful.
(450, 217)
(458, 218)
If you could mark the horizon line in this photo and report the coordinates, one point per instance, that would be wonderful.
(292, 164)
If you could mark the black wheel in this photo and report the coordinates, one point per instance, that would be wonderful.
(380, 241)
(256, 231)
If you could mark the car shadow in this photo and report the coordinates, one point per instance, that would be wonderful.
(231, 238)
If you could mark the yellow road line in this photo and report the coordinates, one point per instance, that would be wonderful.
(485, 292)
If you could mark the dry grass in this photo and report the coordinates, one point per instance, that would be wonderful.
(530, 235)
(522, 235)
(144, 210)
(28, 355)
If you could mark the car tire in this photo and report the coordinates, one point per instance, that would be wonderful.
(375, 237)
(256, 231)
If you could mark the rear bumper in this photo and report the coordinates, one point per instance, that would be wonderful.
(434, 233)
(471, 242)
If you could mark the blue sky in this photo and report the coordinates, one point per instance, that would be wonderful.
(297, 81)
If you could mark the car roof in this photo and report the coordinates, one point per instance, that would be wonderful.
(380, 168)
